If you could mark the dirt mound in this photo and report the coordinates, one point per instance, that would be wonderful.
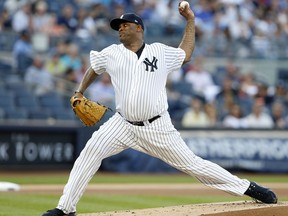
(242, 208)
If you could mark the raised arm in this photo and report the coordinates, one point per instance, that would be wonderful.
(88, 78)
(188, 39)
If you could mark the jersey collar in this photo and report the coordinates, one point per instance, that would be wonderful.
(139, 52)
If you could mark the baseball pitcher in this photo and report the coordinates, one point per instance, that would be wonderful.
(138, 73)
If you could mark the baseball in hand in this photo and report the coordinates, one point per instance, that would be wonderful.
(184, 4)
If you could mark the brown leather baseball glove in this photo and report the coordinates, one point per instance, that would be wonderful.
(89, 112)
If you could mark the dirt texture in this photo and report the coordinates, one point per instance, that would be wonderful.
(243, 208)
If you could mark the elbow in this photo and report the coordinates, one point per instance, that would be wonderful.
(188, 55)
(187, 58)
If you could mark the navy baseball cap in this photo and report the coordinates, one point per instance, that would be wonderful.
(128, 17)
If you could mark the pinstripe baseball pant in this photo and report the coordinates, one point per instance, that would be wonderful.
(159, 139)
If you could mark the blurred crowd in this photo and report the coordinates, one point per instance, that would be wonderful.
(226, 97)
(242, 28)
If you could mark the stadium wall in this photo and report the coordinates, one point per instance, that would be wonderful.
(38, 147)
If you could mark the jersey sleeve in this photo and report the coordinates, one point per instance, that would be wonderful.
(98, 61)
(174, 58)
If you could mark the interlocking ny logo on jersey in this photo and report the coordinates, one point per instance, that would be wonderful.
(152, 65)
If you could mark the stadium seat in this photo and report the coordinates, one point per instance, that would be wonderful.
(21, 91)
(16, 114)
(5, 69)
(283, 75)
(30, 103)
(40, 114)
(23, 62)
(2, 113)
(51, 101)
(183, 87)
(7, 100)
(63, 114)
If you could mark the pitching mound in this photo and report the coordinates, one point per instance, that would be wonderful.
(243, 208)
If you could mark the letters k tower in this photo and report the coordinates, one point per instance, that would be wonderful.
(152, 64)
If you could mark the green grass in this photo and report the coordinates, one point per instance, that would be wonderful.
(61, 178)
(27, 204)
(35, 204)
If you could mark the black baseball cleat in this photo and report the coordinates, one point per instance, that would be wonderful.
(57, 212)
(260, 193)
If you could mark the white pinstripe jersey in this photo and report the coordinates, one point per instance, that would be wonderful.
(139, 83)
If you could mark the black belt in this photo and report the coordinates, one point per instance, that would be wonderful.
(141, 123)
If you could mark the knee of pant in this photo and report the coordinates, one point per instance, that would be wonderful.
(91, 148)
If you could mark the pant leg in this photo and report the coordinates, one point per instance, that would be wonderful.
(108, 140)
(161, 140)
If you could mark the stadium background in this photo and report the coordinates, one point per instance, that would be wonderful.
(40, 137)
(242, 43)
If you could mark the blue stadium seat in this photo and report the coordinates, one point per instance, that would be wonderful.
(283, 75)
(51, 101)
(63, 114)
(183, 87)
(20, 89)
(7, 101)
(30, 103)
(40, 114)
(2, 113)
(23, 62)
(16, 114)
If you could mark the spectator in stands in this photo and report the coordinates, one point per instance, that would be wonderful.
(23, 51)
(54, 66)
(227, 96)
(105, 91)
(61, 47)
(165, 14)
(101, 17)
(146, 9)
(70, 75)
(67, 18)
(258, 118)
(66, 83)
(200, 79)
(72, 58)
(12, 5)
(38, 78)
(196, 116)
(22, 19)
(248, 84)
(230, 71)
(5, 20)
(204, 11)
(23, 45)
(53, 29)
(264, 95)
(118, 9)
(234, 119)
(41, 18)
(280, 91)
(260, 42)
(278, 113)
(240, 31)
(212, 114)
(86, 27)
